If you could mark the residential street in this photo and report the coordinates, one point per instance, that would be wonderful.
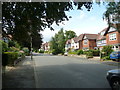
(70, 72)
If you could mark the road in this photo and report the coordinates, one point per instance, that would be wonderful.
(69, 72)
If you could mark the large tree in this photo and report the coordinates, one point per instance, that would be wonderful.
(69, 35)
(21, 18)
(112, 14)
(58, 42)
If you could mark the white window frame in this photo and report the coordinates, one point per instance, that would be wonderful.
(85, 42)
(112, 37)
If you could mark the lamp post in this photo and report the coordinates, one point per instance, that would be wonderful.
(30, 34)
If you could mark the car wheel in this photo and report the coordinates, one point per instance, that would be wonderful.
(116, 84)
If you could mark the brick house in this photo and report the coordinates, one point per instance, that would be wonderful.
(113, 38)
(101, 39)
(87, 41)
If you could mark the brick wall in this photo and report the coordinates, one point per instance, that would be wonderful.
(114, 41)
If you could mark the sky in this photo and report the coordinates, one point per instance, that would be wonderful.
(82, 21)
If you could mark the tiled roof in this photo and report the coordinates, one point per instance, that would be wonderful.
(68, 41)
(91, 36)
(102, 36)
(80, 37)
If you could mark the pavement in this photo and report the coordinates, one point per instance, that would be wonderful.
(20, 76)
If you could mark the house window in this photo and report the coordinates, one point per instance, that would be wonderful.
(112, 36)
(85, 42)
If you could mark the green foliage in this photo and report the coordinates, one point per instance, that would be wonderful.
(46, 51)
(69, 35)
(8, 58)
(21, 53)
(89, 54)
(106, 58)
(95, 52)
(13, 49)
(4, 46)
(54, 52)
(41, 51)
(79, 52)
(33, 17)
(11, 43)
(72, 52)
(112, 9)
(57, 44)
(107, 50)
(26, 50)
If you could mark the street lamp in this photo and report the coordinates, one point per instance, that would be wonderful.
(30, 44)
(30, 34)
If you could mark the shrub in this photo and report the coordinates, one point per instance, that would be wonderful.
(11, 43)
(89, 54)
(54, 52)
(4, 46)
(72, 52)
(13, 49)
(79, 52)
(21, 53)
(8, 58)
(106, 58)
(107, 49)
(26, 50)
(41, 51)
(45, 51)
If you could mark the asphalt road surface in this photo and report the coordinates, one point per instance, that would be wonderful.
(69, 72)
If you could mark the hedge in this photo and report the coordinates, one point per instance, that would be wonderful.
(8, 58)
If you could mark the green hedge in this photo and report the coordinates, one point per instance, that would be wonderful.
(41, 51)
(79, 52)
(89, 54)
(72, 52)
(8, 58)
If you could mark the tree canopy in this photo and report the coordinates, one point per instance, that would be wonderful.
(21, 18)
(112, 14)
(69, 35)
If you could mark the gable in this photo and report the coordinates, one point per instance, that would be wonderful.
(85, 37)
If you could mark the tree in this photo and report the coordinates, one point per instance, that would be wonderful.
(58, 42)
(112, 14)
(69, 35)
(21, 18)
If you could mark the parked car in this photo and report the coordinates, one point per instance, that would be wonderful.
(113, 77)
(115, 55)
(66, 53)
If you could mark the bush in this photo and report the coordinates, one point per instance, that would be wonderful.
(4, 46)
(89, 54)
(11, 43)
(72, 52)
(8, 58)
(79, 52)
(45, 51)
(106, 58)
(41, 51)
(21, 53)
(54, 52)
(107, 49)
(13, 49)
(26, 50)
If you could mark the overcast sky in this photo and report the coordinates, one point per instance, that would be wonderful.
(82, 21)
